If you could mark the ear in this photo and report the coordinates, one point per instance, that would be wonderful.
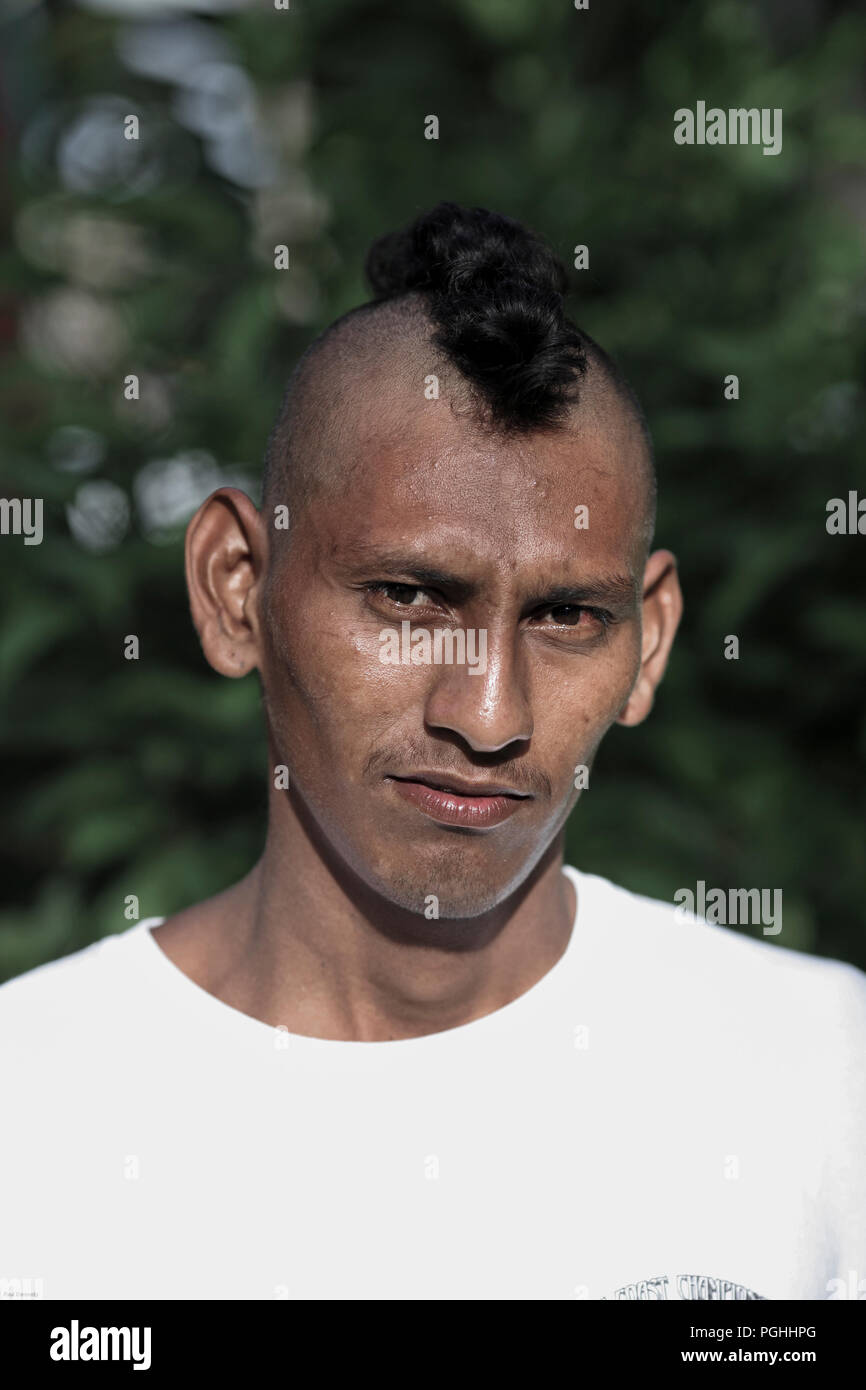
(662, 610)
(226, 557)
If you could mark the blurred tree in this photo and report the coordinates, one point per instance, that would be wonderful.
(155, 258)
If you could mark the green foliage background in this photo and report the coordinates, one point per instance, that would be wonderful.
(149, 777)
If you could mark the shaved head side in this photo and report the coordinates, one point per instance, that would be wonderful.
(475, 301)
(348, 381)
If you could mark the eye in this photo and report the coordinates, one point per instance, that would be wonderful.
(577, 615)
(401, 595)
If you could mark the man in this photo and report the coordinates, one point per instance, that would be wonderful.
(410, 1055)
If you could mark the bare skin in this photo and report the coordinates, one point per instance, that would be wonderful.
(327, 935)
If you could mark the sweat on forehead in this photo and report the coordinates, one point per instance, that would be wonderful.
(360, 382)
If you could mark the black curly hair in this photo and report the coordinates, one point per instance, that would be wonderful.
(493, 293)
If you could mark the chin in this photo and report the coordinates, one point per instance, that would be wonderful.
(461, 889)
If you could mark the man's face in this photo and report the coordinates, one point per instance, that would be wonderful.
(443, 528)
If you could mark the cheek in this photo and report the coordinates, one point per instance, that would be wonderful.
(327, 686)
(574, 707)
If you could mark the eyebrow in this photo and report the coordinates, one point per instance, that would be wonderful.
(618, 590)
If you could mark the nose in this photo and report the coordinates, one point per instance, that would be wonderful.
(489, 708)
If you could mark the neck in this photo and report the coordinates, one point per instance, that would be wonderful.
(305, 943)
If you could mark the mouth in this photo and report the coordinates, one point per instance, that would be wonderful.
(455, 801)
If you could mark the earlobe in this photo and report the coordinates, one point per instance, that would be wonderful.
(662, 609)
(225, 559)
(638, 704)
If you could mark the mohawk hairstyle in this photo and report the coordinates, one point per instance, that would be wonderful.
(494, 293)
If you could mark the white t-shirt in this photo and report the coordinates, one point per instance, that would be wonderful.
(673, 1111)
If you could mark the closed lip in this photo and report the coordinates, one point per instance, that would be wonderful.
(446, 782)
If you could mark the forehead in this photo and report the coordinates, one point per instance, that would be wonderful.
(424, 474)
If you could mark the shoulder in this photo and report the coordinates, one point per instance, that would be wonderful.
(71, 996)
(722, 970)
